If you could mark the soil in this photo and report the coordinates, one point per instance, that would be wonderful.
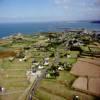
(86, 67)
(4, 54)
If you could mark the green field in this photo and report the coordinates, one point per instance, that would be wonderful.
(13, 77)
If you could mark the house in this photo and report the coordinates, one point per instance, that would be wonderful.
(36, 63)
(75, 42)
(84, 31)
(78, 44)
(23, 59)
(40, 67)
(60, 68)
(46, 61)
(2, 89)
(11, 59)
(48, 75)
(68, 56)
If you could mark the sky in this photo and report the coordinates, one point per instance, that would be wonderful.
(49, 10)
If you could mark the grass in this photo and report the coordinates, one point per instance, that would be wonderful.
(68, 60)
(10, 97)
(66, 77)
(95, 49)
(40, 95)
(13, 76)
(60, 88)
(73, 52)
(56, 87)
(6, 64)
(71, 60)
(19, 45)
(85, 48)
(2, 48)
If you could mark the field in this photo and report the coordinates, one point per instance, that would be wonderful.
(13, 78)
(38, 48)
(59, 89)
(13, 73)
(86, 67)
(88, 71)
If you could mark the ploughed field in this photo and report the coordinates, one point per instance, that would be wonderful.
(88, 71)
(87, 67)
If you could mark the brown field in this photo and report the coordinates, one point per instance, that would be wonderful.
(94, 85)
(86, 67)
(91, 86)
(88, 71)
(7, 54)
(3, 42)
(80, 83)
(95, 61)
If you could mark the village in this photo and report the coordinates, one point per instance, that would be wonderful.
(50, 66)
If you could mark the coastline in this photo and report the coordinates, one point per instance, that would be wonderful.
(7, 29)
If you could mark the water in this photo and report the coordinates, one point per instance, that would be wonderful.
(7, 29)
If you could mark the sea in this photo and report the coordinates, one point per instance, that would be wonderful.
(7, 29)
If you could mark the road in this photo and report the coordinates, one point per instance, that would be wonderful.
(35, 85)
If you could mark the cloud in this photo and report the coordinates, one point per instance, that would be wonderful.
(80, 8)
(77, 2)
(97, 3)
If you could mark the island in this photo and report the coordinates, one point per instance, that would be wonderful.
(98, 21)
(50, 66)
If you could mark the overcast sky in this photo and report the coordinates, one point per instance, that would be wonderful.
(48, 10)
